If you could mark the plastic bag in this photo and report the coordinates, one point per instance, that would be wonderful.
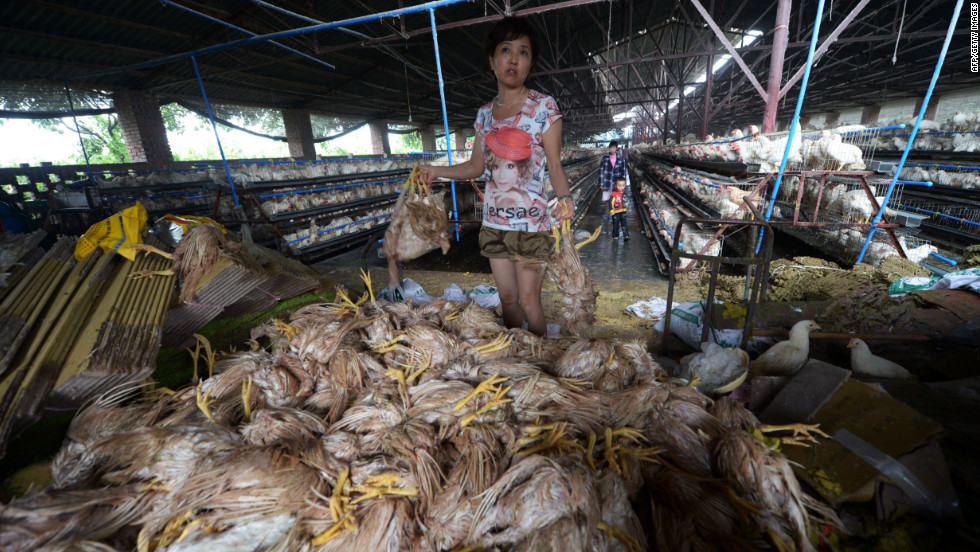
(114, 234)
(407, 290)
(485, 296)
(653, 308)
(911, 283)
(687, 319)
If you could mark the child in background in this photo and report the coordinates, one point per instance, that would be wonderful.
(617, 208)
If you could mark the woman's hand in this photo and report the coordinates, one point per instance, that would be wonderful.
(428, 173)
(564, 209)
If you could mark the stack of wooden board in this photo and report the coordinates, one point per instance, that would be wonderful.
(230, 279)
(18, 254)
(73, 330)
(287, 278)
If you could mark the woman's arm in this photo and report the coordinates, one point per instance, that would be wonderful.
(467, 170)
(559, 180)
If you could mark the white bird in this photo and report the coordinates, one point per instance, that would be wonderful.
(786, 357)
(863, 363)
(960, 120)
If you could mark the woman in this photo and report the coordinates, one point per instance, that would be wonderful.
(518, 132)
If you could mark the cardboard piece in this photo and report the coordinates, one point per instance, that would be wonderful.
(805, 393)
(764, 389)
(892, 428)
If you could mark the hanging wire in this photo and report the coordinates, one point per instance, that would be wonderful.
(901, 23)
(408, 99)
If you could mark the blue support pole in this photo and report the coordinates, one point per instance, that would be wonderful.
(794, 121)
(231, 184)
(249, 33)
(915, 128)
(71, 105)
(445, 118)
(270, 36)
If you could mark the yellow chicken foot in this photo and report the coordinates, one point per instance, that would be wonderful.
(801, 433)
(554, 439)
(557, 237)
(453, 315)
(485, 386)
(589, 458)
(630, 433)
(366, 277)
(590, 239)
(497, 400)
(575, 383)
(209, 353)
(629, 541)
(610, 452)
(150, 249)
(246, 397)
(285, 328)
(386, 346)
(694, 381)
(425, 361)
(203, 403)
(498, 343)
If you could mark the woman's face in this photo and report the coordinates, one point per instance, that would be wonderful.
(505, 174)
(511, 61)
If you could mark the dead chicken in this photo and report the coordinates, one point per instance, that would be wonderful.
(418, 224)
(196, 254)
(537, 504)
(765, 478)
(565, 269)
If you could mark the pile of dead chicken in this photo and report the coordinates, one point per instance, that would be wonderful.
(384, 426)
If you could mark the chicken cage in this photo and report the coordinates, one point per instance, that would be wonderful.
(951, 218)
(840, 149)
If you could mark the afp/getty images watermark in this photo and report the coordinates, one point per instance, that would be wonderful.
(974, 37)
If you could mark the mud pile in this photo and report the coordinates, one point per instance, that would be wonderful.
(871, 311)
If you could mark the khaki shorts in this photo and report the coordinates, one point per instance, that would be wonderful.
(511, 244)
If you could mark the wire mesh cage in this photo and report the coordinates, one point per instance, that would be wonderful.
(841, 149)
(961, 219)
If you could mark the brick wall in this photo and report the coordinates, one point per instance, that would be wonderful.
(142, 128)
(870, 114)
(459, 135)
(299, 133)
(428, 139)
(379, 138)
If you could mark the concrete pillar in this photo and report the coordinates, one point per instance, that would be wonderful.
(142, 127)
(870, 114)
(832, 120)
(428, 139)
(459, 135)
(379, 138)
(299, 133)
(804, 120)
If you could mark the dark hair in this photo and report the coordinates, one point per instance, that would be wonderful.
(618, 178)
(614, 143)
(512, 28)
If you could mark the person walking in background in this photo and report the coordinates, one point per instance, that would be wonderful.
(617, 208)
(613, 165)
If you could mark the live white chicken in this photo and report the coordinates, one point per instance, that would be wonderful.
(864, 363)
(786, 357)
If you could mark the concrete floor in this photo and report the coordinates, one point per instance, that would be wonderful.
(623, 271)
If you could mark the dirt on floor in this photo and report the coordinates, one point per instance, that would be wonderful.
(971, 257)
(814, 279)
